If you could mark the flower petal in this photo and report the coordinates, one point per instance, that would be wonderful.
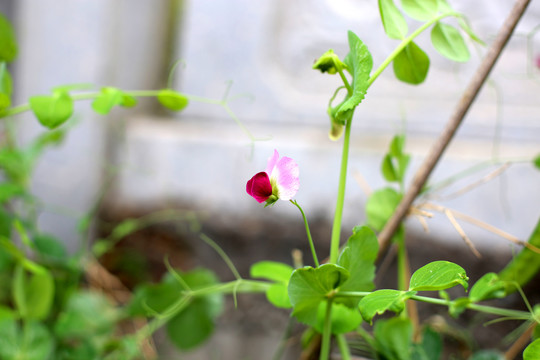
(259, 187)
(287, 174)
(272, 161)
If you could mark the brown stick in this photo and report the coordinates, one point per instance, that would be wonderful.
(453, 123)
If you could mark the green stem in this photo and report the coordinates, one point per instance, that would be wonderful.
(249, 286)
(343, 347)
(402, 259)
(311, 244)
(327, 332)
(345, 82)
(406, 42)
(338, 215)
(517, 314)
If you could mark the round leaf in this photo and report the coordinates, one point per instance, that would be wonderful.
(107, 99)
(32, 342)
(411, 65)
(343, 318)
(358, 258)
(393, 21)
(488, 287)
(380, 206)
(422, 10)
(191, 327)
(380, 301)
(309, 286)
(393, 338)
(52, 111)
(278, 296)
(172, 100)
(532, 352)
(110, 97)
(438, 275)
(271, 270)
(449, 43)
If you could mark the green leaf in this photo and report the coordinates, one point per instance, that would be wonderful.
(6, 221)
(393, 338)
(10, 190)
(7, 312)
(271, 270)
(343, 318)
(191, 327)
(48, 138)
(280, 273)
(5, 87)
(393, 21)
(388, 170)
(488, 287)
(397, 145)
(430, 348)
(438, 275)
(358, 257)
(411, 65)
(172, 100)
(422, 10)
(532, 352)
(194, 324)
(149, 299)
(380, 206)
(86, 315)
(33, 294)
(524, 266)
(278, 295)
(15, 165)
(8, 43)
(448, 42)
(49, 247)
(110, 97)
(52, 110)
(309, 286)
(536, 162)
(395, 162)
(32, 342)
(359, 63)
(380, 301)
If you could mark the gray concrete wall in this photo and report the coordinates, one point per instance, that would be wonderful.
(267, 48)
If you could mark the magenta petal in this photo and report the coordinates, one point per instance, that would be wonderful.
(259, 187)
(287, 178)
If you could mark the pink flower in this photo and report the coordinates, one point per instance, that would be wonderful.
(279, 181)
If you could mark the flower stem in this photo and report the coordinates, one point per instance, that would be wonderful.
(343, 347)
(338, 215)
(327, 332)
(311, 244)
(345, 82)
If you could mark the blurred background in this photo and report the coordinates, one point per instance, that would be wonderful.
(146, 158)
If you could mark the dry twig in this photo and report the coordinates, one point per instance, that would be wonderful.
(468, 97)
